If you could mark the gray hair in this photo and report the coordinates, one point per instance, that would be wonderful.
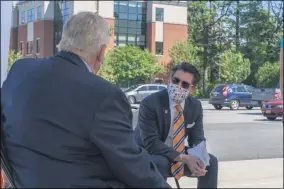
(85, 32)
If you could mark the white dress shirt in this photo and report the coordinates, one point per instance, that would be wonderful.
(87, 65)
(169, 139)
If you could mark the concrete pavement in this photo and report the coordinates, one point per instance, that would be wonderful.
(263, 173)
(245, 141)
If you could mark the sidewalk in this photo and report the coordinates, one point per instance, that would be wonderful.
(262, 173)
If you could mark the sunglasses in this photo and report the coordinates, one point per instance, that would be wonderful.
(184, 84)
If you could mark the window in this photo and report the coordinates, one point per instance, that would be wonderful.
(160, 14)
(37, 45)
(23, 17)
(159, 48)
(250, 89)
(162, 88)
(241, 89)
(22, 47)
(31, 15)
(39, 13)
(130, 21)
(65, 11)
(232, 90)
(144, 88)
(153, 88)
(29, 47)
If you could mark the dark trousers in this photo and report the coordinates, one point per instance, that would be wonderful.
(208, 181)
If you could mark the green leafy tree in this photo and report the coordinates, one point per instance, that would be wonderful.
(233, 67)
(130, 63)
(106, 70)
(185, 51)
(268, 75)
(13, 57)
(205, 32)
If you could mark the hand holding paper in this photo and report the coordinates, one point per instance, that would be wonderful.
(200, 151)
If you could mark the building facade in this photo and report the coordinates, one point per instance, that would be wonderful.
(155, 25)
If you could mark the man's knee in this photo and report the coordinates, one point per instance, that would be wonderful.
(162, 163)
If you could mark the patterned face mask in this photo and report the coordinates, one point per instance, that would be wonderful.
(177, 93)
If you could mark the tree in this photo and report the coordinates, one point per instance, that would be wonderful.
(13, 57)
(185, 51)
(130, 63)
(259, 29)
(203, 17)
(268, 75)
(233, 67)
(106, 71)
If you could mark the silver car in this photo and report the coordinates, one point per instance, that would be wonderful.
(137, 93)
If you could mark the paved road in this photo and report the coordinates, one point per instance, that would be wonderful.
(240, 135)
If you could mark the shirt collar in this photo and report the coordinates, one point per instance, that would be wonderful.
(87, 65)
(173, 104)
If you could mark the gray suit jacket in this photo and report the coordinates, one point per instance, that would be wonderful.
(66, 127)
(154, 124)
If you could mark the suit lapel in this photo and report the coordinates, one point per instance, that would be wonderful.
(166, 112)
(187, 110)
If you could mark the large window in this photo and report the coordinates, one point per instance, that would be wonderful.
(23, 17)
(39, 13)
(130, 23)
(29, 47)
(65, 11)
(160, 14)
(22, 47)
(31, 15)
(159, 48)
(37, 45)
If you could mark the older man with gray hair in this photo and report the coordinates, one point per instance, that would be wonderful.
(67, 127)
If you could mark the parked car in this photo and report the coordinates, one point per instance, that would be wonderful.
(137, 93)
(232, 96)
(262, 95)
(273, 109)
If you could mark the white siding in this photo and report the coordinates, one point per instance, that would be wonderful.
(173, 14)
(106, 9)
(159, 32)
(84, 6)
(30, 31)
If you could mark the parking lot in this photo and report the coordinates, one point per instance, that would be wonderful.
(240, 135)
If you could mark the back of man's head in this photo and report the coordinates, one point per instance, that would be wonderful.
(85, 33)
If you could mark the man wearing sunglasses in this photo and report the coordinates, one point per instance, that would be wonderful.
(166, 118)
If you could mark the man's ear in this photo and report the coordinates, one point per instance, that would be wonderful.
(101, 54)
(193, 89)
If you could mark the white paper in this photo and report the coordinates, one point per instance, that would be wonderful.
(200, 151)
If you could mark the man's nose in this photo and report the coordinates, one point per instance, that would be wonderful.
(180, 84)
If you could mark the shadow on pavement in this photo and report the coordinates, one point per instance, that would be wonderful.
(251, 113)
(228, 109)
(277, 120)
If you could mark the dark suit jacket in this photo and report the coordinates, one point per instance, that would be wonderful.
(66, 127)
(155, 119)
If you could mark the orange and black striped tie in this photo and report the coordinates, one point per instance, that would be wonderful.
(177, 168)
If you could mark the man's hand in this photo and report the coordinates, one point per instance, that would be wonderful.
(195, 165)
